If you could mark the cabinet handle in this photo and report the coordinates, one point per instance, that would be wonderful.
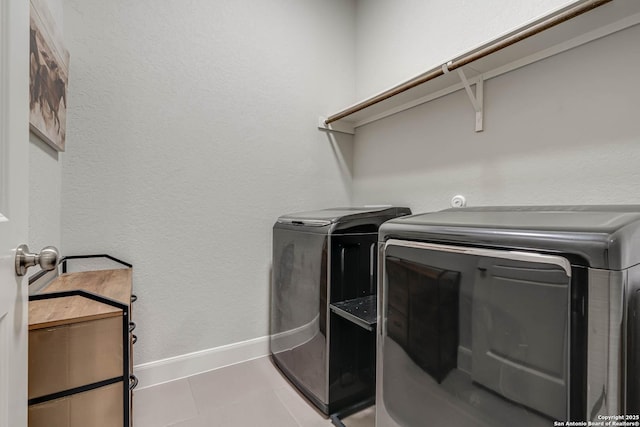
(133, 382)
(132, 326)
(134, 298)
(134, 339)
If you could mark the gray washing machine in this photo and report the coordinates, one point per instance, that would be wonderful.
(502, 316)
(323, 302)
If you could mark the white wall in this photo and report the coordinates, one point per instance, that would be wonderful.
(191, 128)
(561, 131)
(45, 178)
(397, 40)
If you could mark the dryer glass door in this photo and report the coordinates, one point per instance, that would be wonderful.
(473, 336)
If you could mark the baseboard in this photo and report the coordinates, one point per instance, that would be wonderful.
(186, 365)
(296, 337)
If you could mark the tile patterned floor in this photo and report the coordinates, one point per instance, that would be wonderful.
(248, 394)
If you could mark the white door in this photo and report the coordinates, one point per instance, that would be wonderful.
(14, 181)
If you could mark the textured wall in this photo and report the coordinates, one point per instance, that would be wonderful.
(45, 180)
(192, 127)
(561, 131)
(397, 40)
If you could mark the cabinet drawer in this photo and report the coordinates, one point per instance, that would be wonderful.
(101, 407)
(69, 356)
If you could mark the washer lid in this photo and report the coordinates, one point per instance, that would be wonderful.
(334, 215)
(606, 236)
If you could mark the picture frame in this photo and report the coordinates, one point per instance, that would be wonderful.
(48, 77)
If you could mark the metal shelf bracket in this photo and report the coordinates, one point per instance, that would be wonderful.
(477, 99)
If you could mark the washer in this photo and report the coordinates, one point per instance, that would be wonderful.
(323, 294)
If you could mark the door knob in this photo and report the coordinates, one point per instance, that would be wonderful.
(47, 259)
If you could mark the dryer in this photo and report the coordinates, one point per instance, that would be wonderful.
(502, 316)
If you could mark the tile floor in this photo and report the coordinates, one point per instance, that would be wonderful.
(248, 394)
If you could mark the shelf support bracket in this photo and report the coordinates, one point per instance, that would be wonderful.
(335, 127)
(477, 99)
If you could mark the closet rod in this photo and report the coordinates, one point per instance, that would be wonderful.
(507, 41)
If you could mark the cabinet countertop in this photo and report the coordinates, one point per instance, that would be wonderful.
(114, 284)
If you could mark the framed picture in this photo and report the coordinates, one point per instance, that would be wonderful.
(48, 71)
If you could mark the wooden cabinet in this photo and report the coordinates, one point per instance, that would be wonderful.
(80, 350)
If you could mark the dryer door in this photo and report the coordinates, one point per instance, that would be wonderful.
(473, 337)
